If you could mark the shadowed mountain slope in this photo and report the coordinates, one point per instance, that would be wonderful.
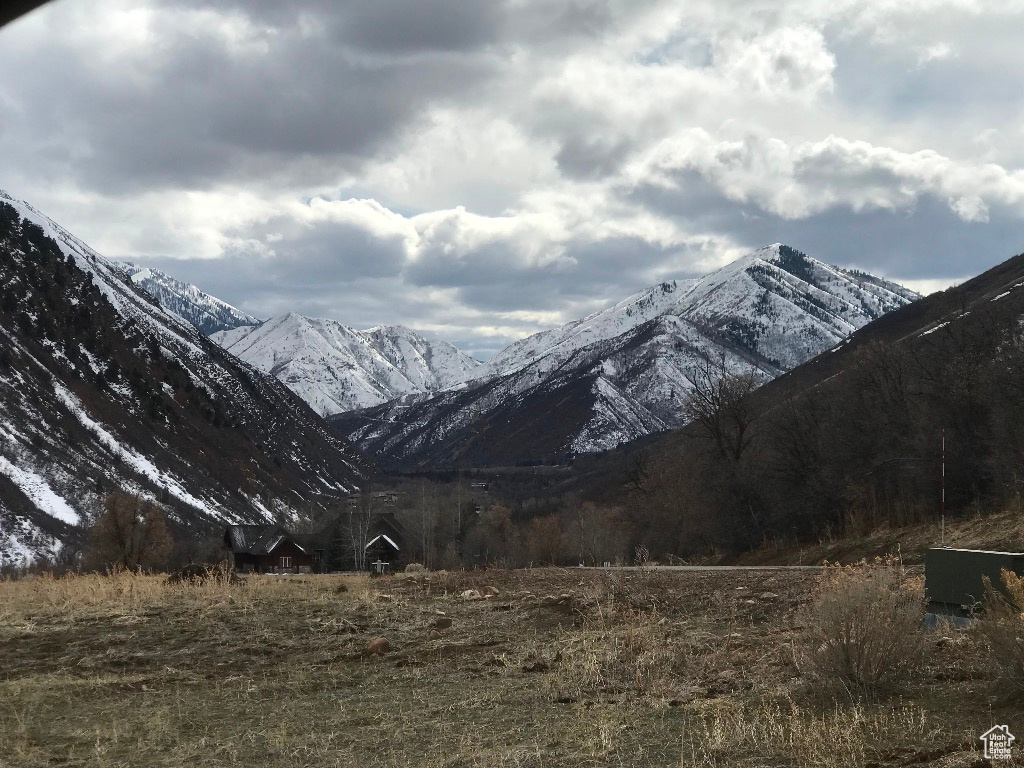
(101, 389)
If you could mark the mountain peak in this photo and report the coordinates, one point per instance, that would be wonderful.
(336, 368)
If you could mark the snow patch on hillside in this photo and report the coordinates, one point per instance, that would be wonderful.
(207, 313)
(38, 490)
(136, 461)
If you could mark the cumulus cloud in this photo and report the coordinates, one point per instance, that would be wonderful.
(800, 180)
(789, 61)
(485, 170)
(970, 208)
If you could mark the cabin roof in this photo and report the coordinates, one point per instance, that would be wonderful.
(257, 539)
(386, 538)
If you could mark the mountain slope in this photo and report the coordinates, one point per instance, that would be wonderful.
(623, 373)
(335, 368)
(549, 349)
(207, 313)
(914, 417)
(101, 389)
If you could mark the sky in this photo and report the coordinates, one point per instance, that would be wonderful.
(484, 170)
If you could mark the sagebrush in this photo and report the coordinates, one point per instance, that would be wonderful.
(1002, 627)
(862, 629)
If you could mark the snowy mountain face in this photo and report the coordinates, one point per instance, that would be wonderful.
(623, 373)
(335, 368)
(102, 389)
(549, 349)
(207, 313)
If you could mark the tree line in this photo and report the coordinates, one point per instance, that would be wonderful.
(847, 455)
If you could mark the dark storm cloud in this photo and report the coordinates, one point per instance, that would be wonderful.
(496, 277)
(493, 276)
(202, 108)
(435, 25)
(381, 26)
(589, 157)
(332, 253)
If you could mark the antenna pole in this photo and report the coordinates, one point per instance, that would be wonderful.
(942, 485)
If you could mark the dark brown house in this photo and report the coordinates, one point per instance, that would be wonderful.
(267, 549)
(386, 539)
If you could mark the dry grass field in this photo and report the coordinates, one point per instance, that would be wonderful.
(558, 668)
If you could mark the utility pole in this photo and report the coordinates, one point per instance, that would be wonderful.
(458, 500)
(942, 486)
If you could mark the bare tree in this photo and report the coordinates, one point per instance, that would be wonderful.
(427, 523)
(544, 540)
(131, 533)
(599, 532)
(719, 402)
(356, 529)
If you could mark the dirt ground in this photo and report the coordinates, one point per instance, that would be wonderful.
(542, 667)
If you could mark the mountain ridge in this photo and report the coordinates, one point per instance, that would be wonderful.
(763, 313)
(337, 368)
(207, 313)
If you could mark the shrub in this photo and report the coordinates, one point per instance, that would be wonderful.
(1002, 627)
(862, 630)
(414, 568)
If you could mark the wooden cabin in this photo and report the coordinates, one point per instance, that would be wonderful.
(267, 549)
(387, 538)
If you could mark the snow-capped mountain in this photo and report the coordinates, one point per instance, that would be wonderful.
(753, 300)
(102, 389)
(207, 313)
(549, 349)
(622, 373)
(335, 368)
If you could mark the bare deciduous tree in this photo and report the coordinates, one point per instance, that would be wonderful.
(719, 402)
(131, 533)
(357, 529)
(544, 540)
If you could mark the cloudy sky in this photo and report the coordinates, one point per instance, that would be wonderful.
(484, 170)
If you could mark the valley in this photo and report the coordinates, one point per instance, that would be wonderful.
(511, 384)
(617, 376)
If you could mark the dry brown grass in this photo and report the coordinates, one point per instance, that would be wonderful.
(784, 731)
(1002, 627)
(561, 667)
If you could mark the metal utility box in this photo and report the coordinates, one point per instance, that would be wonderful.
(954, 578)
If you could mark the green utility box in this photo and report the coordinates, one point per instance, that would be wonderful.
(954, 578)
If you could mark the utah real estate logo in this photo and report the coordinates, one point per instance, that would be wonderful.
(998, 742)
